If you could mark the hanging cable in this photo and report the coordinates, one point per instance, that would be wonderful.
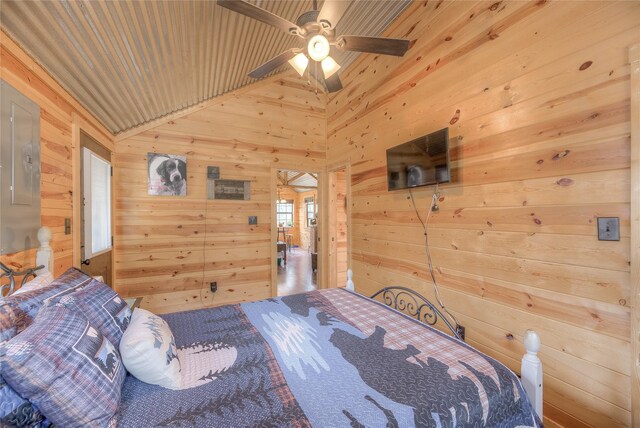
(432, 206)
(204, 249)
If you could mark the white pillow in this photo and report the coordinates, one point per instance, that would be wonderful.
(148, 350)
(37, 282)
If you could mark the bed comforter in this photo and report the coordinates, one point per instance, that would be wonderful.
(327, 358)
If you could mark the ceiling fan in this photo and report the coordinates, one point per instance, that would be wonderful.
(317, 28)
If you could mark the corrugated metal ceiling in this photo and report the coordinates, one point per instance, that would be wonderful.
(130, 62)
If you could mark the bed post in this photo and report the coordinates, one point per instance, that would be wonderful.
(44, 255)
(531, 371)
(350, 285)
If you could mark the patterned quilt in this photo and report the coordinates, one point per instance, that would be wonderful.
(327, 358)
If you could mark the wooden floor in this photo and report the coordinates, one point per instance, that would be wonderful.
(296, 276)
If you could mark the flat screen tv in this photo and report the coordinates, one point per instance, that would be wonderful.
(420, 162)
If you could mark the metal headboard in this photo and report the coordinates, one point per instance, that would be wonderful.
(44, 263)
(415, 305)
(11, 274)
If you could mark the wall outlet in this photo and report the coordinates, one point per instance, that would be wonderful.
(608, 228)
(253, 219)
(460, 330)
(213, 286)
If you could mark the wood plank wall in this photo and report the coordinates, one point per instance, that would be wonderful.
(168, 247)
(57, 109)
(536, 96)
(341, 229)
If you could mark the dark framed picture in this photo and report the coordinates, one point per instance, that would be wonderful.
(238, 190)
(167, 174)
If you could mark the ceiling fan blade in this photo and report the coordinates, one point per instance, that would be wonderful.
(333, 83)
(332, 11)
(379, 45)
(260, 14)
(273, 64)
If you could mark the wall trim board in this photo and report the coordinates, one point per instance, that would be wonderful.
(274, 250)
(332, 232)
(76, 193)
(204, 105)
(22, 55)
(634, 61)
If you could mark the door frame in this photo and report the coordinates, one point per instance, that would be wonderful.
(634, 62)
(331, 259)
(321, 174)
(78, 126)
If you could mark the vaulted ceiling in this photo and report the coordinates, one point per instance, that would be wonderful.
(299, 181)
(130, 62)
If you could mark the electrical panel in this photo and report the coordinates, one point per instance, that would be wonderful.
(19, 171)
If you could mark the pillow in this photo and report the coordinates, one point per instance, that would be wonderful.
(66, 367)
(7, 321)
(148, 350)
(16, 313)
(102, 306)
(36, 283)
(25, 306)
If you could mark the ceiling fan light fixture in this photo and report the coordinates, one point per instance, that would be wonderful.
(329, 67)
(299, 63)
(318, 47)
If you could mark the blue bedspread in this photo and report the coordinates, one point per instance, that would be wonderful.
(325, 359)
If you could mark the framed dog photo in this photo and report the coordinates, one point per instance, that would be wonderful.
(167, 174)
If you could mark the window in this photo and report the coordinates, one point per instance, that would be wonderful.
(97, 203)
(311, 211)
(284, 213)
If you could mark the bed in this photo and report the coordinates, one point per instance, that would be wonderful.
(327, 358)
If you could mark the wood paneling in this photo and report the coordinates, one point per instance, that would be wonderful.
(634, 61)
(56, 110)
(536, 97)
(168, 249)
(340, 247)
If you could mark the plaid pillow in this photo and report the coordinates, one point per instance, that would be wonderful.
(16, 313)
(7, 322)
(66, 367)
(14, 410)
(26, 305)
(103, 307)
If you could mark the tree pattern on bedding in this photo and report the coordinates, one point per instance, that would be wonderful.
(328, 359)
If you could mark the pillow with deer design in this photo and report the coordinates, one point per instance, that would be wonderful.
(149, 351)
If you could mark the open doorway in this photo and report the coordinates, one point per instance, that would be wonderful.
(297, 232)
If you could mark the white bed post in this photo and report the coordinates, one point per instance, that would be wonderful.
(44, 255)
(350, 285)
(531, 371)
